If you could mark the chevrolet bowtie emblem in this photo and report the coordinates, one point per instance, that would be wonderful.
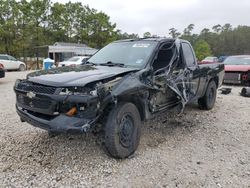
(31, 95)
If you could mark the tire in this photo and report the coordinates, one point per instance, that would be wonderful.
(123, 130)
(21, 68)
(208, 100)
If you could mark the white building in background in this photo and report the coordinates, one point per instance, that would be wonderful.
(61, 51)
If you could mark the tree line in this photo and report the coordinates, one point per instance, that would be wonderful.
(28, 24)
(221, 40)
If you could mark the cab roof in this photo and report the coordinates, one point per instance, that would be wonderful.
(157, 39)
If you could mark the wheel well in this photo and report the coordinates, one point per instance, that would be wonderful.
(137, 102)
(216, 80)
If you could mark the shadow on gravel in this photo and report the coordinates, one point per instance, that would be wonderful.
(169, 126)
(2, 82)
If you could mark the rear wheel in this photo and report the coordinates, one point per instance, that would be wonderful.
(123, 130)
(208, 100)
(21, 68)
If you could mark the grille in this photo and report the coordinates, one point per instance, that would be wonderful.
(34, 103)
(232, 77)
(28, 86)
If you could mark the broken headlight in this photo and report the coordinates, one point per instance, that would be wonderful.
(78, 91)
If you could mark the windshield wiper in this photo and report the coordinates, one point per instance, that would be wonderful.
(110, 63)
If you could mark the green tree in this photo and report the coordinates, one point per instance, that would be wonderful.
(189, 29)
(202, 49)
(187, 34)
(99, 31)
(217, 28)
(174, 33)
(146, 34)
(227, 27)
(58, 22)
(125, 35)
(26, 24)
(8, 25)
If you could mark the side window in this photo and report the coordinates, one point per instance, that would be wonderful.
(188, 54)
(3, 57)
(163, 57)
(11, 58)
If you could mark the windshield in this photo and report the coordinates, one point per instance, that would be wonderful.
(129, 54)
(73, 59)
(237, 60)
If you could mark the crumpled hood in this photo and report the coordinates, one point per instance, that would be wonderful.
(240, 68)
(75, 76)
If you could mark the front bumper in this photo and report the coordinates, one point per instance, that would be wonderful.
(60, 123)
(43, 107)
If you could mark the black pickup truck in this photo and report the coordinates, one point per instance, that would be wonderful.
(122, 85)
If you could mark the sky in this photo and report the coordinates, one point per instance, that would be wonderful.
(158, 16)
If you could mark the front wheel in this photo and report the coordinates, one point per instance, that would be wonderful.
(21, 68)
(123, 130)
(208, 100)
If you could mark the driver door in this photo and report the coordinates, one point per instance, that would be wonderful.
(165, 96)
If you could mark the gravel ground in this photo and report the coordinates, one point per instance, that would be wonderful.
(194, 149)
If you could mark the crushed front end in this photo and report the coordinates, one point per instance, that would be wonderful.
(68, 110)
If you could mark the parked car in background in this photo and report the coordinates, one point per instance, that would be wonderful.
(2, 71)
(237, 70)
(222, 58)
(11, 63)
(76, 60)
(210, 60)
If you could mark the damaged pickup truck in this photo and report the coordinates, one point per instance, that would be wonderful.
(122, 85)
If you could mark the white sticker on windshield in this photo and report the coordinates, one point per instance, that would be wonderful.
(139, 61)
(141, 45)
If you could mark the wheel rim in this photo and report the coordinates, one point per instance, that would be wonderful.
(126, 131)
(211, 96)
(22, 68)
